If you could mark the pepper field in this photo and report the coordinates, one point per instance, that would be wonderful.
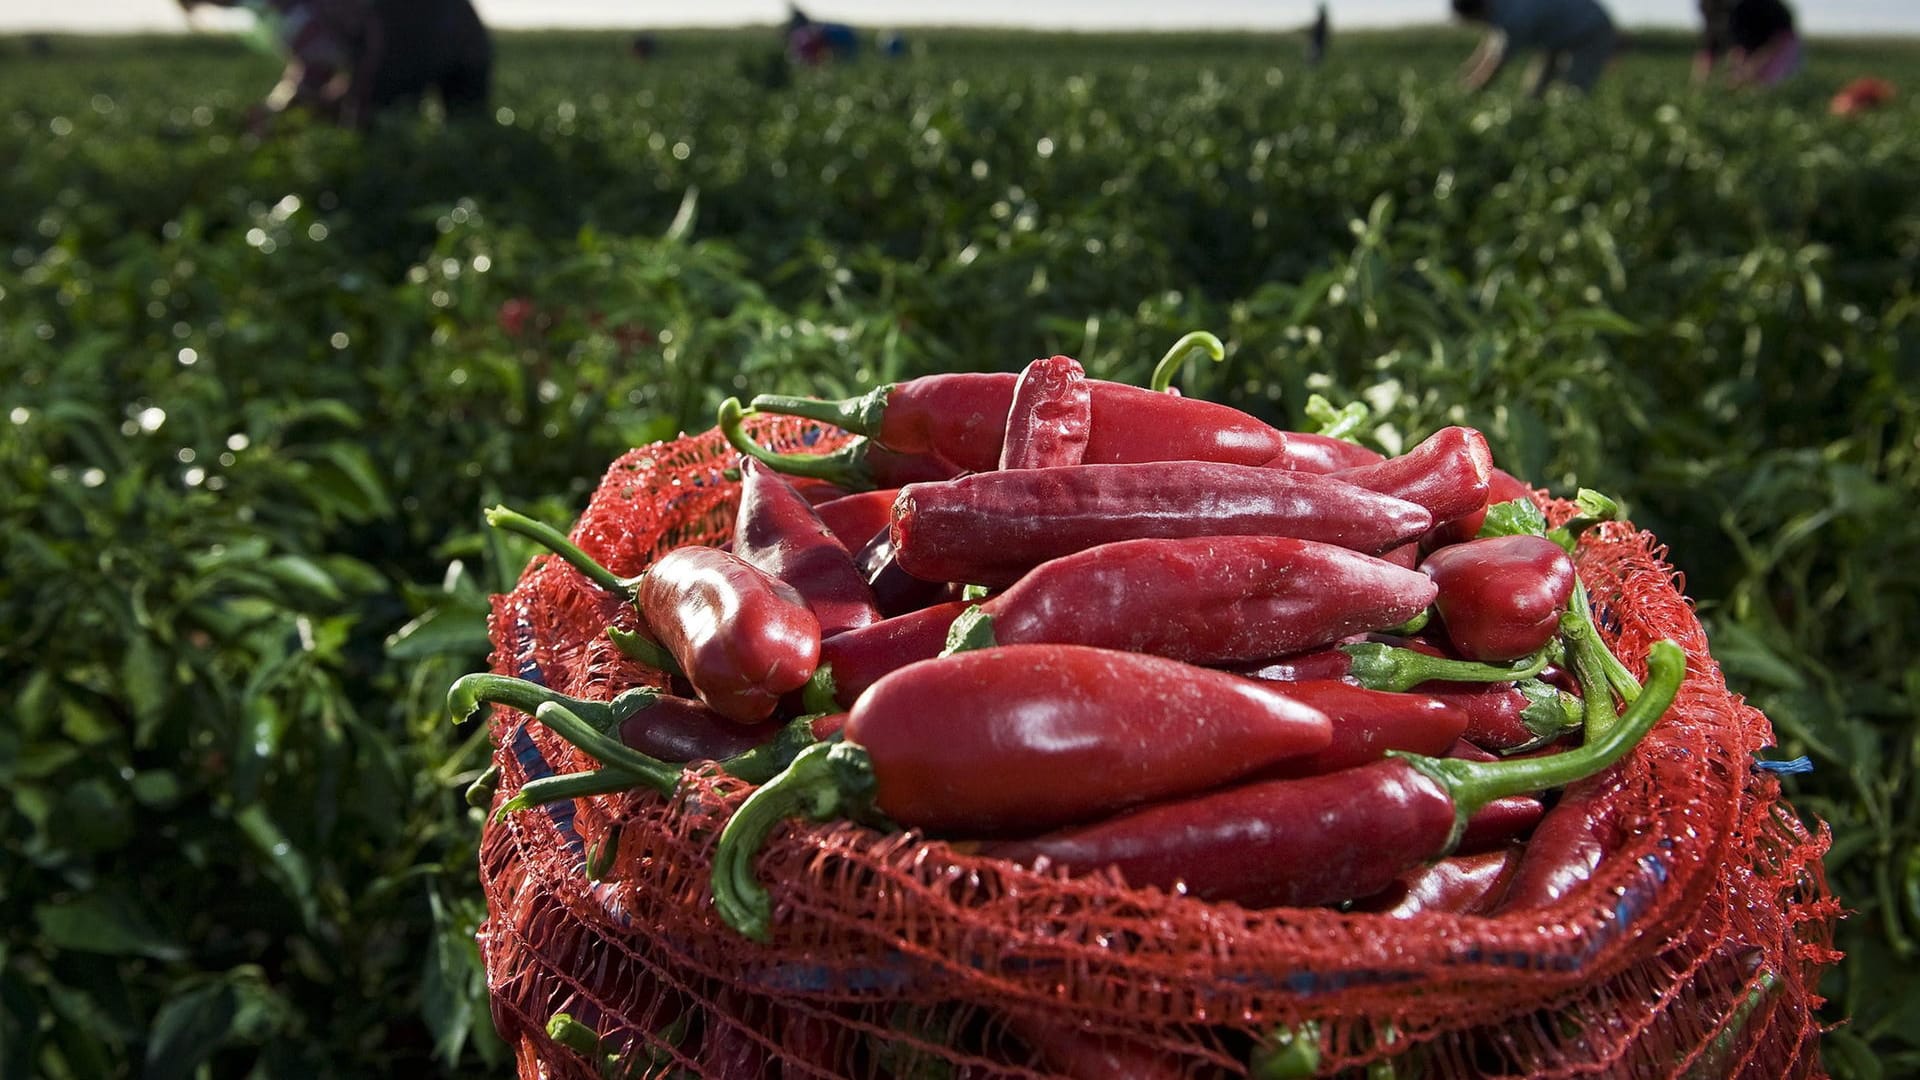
(254, 394)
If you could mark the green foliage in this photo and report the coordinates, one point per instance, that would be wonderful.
(255, 393)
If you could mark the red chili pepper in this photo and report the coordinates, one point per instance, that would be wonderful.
(1501, 597)
(1205, 600)
(1448, 473)
(1084, 1055)
(857, 466)
(1512, 717)
(1314, 453)
(1378, 665)
(1502, 486)
(1500, 822)
(962, 418)
(778, 532)
(1457, 885)
(895, 591)
(853, 519)
(1567, 846)
(742, 636)
(1018, 739)
(859, 658)
(681, 729)
(991, 528)
(816, 492)
(1367, 724)
(1328, 838)
(1051, 416)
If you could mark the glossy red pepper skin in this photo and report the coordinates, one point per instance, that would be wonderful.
(1313, 453)
(1029, 737)
(1500, 822)
(888, 469)
(777, 531)
(1566, 847)
(1456, 885)
(1051, 418)
(1448, 473)
(859, 658)
(1501, 597)
(1208, 599)
(990, 528)
(1298, 842)
(1367, 724)
(681, 729)
(1502, 486)
(742, 636)
(895, 591)
(1494, 720)
(854, 519)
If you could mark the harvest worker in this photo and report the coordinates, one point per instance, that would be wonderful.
(1757, 38)
(349, 59)
(1575, 38)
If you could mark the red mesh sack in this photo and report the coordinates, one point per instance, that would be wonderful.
(1694, 949)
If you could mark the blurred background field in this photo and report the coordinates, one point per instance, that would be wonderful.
(254, 394)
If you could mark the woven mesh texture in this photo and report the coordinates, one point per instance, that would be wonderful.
(1694, 950)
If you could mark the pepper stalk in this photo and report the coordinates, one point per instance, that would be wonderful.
(1197, 342)
(846, 467)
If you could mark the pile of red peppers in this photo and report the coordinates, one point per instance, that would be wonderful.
(1075, 623)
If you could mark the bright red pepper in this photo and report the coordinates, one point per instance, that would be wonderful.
(1511, 717)
(1448, 473)
(1018, 739)
(778, 532)
(990, 528)
(1313, 453)
(853, 519)
(1367, 724)
(1323, 839)
(1502, 486)
(962, 418)
(859, 658)
(1206, 600)
(1501, 597)
(1051, 417)
(1456, 885)
(1567, 846)
(742, 636)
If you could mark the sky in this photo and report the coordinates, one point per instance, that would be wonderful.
(1817, 16)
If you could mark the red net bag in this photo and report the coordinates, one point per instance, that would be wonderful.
(1693, 950)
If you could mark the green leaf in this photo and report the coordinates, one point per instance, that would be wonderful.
(1517, 518)
(284, 863)
(148, 677)
(441, 631)
(101, 922)
(188, 1030)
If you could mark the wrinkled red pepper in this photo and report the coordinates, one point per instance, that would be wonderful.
(1051, 417)
(1501, 597)
(1205, 600)
(777, 531)
(1018, 739)
(1448, 473)
(962, 418)
(742, 636)
(990, 528)
(1344, 835)
(1567, 846)
(853, 519)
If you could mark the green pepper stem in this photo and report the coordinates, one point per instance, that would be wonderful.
(1473, 784)
(479, 794)
(1598, 715)
(553, 540)
(845, 467)
(1378, 666)
(1340, 423)
(861, 415)
(821, 695)
(825, 780)
(579, 785)
(1289, 1053)
(1550, 712)
(562, 1028)
(637, 646)
(469, 692)
(769, 759)
(971, 629)
(602, 854)
(1199, 341)
(1617, 676)
(606, 749)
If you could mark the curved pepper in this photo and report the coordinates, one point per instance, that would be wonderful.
(1018, 739)
(777, 531)
(1500, 822)
(742, 636)
(1456, 885)
(990, 528)
(856, 659)
(1367, 724)
(1312, 453)
(853, 519)
(1502, 486)
(1051, 416)
(1501, 597)
(962, 418)
(894, 590)
(858, 466)
(1205, 600)
(1329, 838)
(1448, 473)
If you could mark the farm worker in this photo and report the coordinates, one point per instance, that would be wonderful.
(348, 59)
(1574, 38)
(1757, 38)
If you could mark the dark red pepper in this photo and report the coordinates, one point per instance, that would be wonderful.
(1367, 724)
(1501, 597)
(990, 528)
(1456, 885)
(1019, 739)
(859, 658)
(962, 418)
(742, 636)
(1205, 600)
(1378, 664)
(1448, 473)
(895, 591)
(1567, 846)
(1076, 1054)
(853, 519)
(1512, 717)
(681, 729)
(1502, 486)
(1051, 417)
(1313, 453)
(1344, 835)
(1500, 822)
(778, 532)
